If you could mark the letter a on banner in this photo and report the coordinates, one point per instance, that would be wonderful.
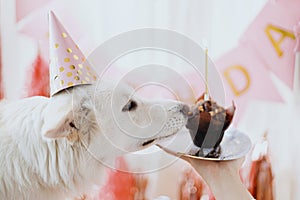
(271, 35)
(245, 78)
(276, 43)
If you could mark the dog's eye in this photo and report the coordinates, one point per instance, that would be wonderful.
(131, 105)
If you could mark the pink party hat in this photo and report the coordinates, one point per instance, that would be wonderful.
(68, 66)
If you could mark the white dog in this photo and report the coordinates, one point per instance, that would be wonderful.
(52, 148)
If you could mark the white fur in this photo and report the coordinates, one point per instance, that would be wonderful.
(42, 154)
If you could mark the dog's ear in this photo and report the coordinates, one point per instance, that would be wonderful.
(58, 117)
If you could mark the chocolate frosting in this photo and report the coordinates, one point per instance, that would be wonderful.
(207, 123)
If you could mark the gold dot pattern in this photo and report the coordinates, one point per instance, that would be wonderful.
(83, 77)
(69, 74)
(75, 57)
(64, 35)
(72, 66)
(68, 70)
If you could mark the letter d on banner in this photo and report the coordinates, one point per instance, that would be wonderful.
(235, 86)
(245, 77)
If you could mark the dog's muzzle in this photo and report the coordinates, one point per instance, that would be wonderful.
(185, 110)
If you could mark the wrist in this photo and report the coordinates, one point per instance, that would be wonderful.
(227, 186)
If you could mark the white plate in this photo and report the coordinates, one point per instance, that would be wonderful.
(234, 145)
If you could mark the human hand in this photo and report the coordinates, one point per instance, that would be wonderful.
(222, 177)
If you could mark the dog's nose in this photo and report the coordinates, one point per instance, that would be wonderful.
(185, 109)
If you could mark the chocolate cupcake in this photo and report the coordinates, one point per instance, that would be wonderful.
(207, 123)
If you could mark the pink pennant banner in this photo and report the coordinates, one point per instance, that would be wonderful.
(245, 78)
(291, 5)
(25, 7)
(272, 37)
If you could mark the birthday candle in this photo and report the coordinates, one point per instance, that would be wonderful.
(206, 95)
